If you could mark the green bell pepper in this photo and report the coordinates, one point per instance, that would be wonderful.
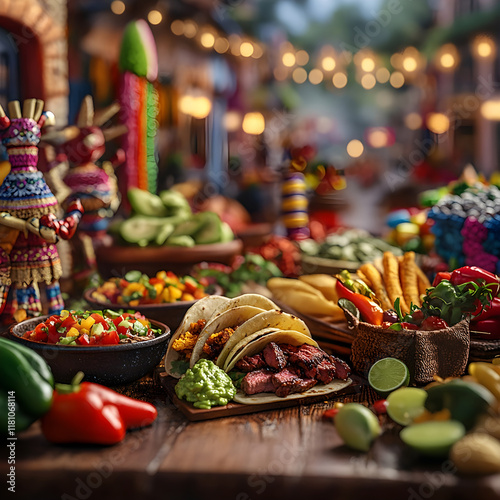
(26, 386)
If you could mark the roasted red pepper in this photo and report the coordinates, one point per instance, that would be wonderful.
(442, 275)
(370, 311)
(92, 413)
(487, 329)
(476, 274)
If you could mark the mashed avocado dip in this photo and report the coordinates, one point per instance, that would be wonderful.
(205, 385)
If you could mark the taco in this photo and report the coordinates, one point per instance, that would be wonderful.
(219, 329)
(248, 299)
(272, 365)
(277, 320)
(195, 319)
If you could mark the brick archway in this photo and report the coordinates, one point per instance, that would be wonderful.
(41, 41)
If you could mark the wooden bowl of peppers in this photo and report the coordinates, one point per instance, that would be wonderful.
(104, 363)
(433, 339)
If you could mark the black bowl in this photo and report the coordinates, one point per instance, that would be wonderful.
(108, 365)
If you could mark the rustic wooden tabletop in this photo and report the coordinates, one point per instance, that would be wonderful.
(289, 453)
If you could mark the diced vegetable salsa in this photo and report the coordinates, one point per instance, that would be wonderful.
(87, 328)
(136, 288)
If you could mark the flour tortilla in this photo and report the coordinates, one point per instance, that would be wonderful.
(202, 309)
(268, 397)
(252, 344)
(230, 318)
(249, 299)
(278, 320)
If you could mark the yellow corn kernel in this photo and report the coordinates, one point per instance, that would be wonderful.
(175, 293)
(187, 297)
(64, 314)
(87, 323)
(72, 332)
(165, 295)
(159, 288)
(133, 303)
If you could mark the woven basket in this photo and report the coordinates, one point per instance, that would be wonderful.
(438, 352)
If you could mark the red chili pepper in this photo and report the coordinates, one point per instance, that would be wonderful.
(493, 309)
(369, 310)
(476, 274)
(409, 326)
(92, 413)
(443, 275)
(489, 329)
(331, 413)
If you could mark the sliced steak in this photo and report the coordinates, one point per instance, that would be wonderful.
(326, 371)
(251, 363)
(274, 356)
(307, 358)
(288, 348)
(258, 381)
(341, 368)
(287, 382)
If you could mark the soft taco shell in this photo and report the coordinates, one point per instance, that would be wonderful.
(268, 397)
(252, 344)
(230, 318)
(324, 283)
(202, 309)
(249, 299)
(268, 319)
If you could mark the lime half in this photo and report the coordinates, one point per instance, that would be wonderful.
(357, 426)
(405, 404)
(387, 375)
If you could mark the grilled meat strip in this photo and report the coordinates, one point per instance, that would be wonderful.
(287, 382)
(251, 363)
(274, 356)
(258, 381)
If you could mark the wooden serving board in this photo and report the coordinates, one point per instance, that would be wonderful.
(232, 409)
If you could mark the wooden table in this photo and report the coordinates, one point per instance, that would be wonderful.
(290, 453)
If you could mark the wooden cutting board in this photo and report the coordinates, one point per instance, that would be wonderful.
(196, 414)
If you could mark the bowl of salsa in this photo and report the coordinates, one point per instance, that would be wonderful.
(164, 296)
(109, 347)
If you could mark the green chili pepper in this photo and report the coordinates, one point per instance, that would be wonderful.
(26, 386)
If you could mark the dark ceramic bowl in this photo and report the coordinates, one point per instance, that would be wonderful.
(107, 365)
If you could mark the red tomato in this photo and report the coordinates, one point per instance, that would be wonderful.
(40, 333)
(83, 339)
(409, 326)
(156, 281)
(99, 319)
(433, 323)
(380, 406)
(122, 330)
(110, 338)
(68, 322)
(117, 321)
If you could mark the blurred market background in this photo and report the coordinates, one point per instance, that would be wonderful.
(375, 101)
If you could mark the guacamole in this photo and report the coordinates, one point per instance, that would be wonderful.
(205, 385)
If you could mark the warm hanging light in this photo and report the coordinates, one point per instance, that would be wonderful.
(288, 59)
(484, 47)
(339, 80)
(328, 63)
(368, 81)
(117, 7)
(382, 75)
(155, 17)
(232, 121)
(207, 39)
(246, 49)
(201, 107)
(299, 75)
(254, 123)
(190, 29)
(438, 123)
(413, 121)
(177, 27)
(447, 57)
(355, 148)
(379, 137)
(315, 76)
(367, 64)
(302, 57)
(221, 45)
(491, 110)
(397, 79)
